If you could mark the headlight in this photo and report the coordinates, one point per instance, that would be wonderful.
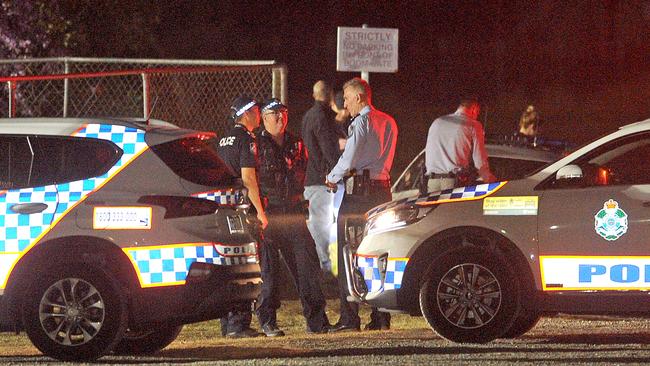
(395, 218)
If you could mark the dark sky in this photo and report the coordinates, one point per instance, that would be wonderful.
(583, 64)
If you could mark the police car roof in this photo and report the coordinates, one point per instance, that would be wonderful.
(66, 126)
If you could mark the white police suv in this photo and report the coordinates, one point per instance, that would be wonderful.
(486, 261)
(115, 233)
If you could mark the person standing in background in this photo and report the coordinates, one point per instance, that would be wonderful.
(528, 126)
(319, 135)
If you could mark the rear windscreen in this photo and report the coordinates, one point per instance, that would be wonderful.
(195, 159)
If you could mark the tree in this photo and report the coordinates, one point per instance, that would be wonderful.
(34, 28)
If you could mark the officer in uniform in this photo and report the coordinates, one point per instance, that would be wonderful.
(455, 147)
(238, 149)
(370, 148)
(283, 161)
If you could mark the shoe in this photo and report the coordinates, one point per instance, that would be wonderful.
(376, 326)
(272, 330)
(323, 330)
(244, 333)
(338, 328)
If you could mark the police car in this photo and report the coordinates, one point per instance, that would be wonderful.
(486, 261)
(115, 233)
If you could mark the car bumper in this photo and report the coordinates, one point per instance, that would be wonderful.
(371, 285)
(216, 290)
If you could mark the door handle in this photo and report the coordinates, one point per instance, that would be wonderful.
(646, 204)
(28, 208)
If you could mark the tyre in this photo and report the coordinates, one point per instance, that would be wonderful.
(469, 295)
(524, 321)
(148, 341)
(74, 313)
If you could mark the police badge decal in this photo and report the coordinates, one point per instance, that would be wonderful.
(611, 221)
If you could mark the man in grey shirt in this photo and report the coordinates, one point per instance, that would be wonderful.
(454, 142)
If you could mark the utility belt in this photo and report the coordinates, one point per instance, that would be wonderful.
(362, 185)
(440, 176)
(464, 177)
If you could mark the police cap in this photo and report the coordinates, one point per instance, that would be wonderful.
(240, 105)
(273, 104)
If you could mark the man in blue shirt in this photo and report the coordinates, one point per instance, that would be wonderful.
(372, 137)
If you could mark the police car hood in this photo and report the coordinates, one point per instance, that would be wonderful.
(468, 193)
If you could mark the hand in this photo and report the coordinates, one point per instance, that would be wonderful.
(329, 184)
(263, 220)
(342, 142)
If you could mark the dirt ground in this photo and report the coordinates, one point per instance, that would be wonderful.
(555, 340)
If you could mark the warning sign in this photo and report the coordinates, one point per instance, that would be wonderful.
(367, 49)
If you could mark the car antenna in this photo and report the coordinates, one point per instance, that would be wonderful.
(153, 105)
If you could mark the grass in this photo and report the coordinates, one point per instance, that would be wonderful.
(206, 334)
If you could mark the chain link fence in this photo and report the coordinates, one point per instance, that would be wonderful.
(190, 94)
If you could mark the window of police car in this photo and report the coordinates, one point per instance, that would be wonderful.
(195, 159)
(35, 161)
(620, 162)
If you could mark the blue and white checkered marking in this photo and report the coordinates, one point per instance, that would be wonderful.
(19, 232)
(369, 267)
(169, 265)
(223, 197)
(448, 195)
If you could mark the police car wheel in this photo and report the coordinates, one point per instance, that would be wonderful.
(147, 341)
(74, 313)
(469, 295)
(524, 321)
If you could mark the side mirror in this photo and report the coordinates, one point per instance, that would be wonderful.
(570, 171)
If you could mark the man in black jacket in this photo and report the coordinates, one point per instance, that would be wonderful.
(320, 137)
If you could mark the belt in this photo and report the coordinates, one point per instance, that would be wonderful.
(439, 176)
(380, 183)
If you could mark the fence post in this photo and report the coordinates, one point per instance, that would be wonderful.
(66, 70)
(12, 98)
(145, 96)
(279, 82)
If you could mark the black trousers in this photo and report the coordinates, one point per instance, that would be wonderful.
(286, 236)
(355, 207)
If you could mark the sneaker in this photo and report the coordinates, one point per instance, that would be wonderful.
(244, 333)
(272, 330)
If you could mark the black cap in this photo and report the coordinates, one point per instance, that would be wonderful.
(241, 105)
(273, 104)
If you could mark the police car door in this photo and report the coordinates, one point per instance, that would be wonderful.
(26, 206)
(593, 229)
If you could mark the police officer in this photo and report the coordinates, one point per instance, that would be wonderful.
(455, 146)
(238, 149)
(372, 137)
(283, 161)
